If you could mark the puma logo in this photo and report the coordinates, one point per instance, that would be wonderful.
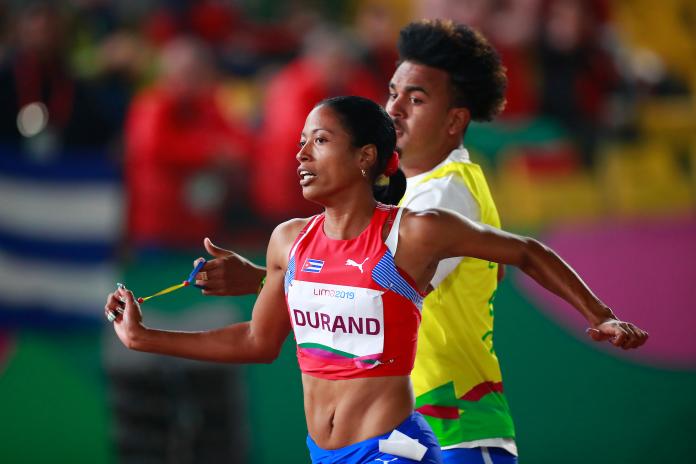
(350, 262)
(384, 460)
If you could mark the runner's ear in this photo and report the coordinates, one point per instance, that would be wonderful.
(458, 120)
(368, 156)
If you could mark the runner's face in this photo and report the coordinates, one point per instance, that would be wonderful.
(328, 161)
(419, 104)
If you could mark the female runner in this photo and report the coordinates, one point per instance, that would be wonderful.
(350, 282)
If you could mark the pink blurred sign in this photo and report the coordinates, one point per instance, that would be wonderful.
(645, 271)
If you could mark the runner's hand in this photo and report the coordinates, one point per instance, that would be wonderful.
(228, 274)
(621, 334)
(128, 321)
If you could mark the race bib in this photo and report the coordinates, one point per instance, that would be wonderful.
(345, 321)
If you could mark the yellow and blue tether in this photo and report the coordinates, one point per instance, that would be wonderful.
(185, 283)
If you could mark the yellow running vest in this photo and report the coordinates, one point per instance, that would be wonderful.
(457, 377)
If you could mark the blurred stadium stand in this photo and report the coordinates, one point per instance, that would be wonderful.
(169, 410)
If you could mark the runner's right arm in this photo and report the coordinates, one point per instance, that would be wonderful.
(256, 341)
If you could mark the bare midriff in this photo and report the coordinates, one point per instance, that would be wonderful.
(343, 412)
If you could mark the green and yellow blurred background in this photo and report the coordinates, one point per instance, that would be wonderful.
(130, 130)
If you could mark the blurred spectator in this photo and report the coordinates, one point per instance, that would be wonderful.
(210, 20)
(514, 30)
(250, 47)
(121, 61)
(377, 29)
(184, 157)
(473, 13)
(576, 73)
(214, 20)
(43, 107)
(327, 67)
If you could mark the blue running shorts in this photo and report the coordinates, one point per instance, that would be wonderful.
(482, 455)
(367, 451)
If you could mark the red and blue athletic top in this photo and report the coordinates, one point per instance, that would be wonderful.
(354, 314)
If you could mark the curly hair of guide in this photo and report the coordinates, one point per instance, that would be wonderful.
(477, 74)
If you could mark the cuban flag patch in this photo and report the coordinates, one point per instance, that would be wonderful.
(313, 265)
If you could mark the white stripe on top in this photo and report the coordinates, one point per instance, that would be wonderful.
(392, 240)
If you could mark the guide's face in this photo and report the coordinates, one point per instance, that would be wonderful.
(419, 104)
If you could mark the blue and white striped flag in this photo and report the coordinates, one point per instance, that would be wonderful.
(59, 225)
(313, 265)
